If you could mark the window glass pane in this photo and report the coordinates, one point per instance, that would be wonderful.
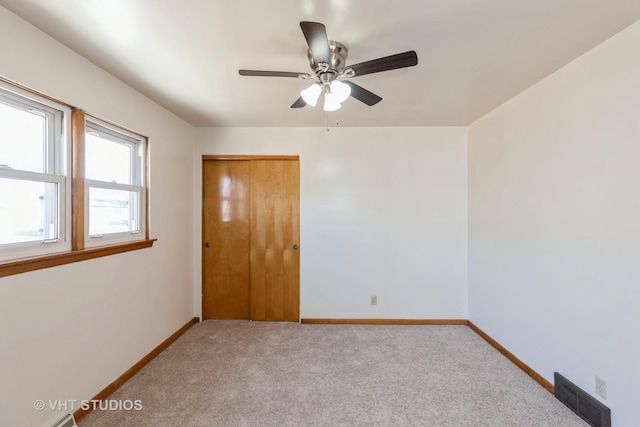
(107, 160)
(28, 211)
(22, 139)
(111, 211)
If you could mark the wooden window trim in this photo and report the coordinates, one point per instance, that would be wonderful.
(78, 252)
(77, 179)
(24, 265)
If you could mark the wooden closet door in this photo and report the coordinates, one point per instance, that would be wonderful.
(275, 235)
(225, 252)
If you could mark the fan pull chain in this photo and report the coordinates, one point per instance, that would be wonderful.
(337, 121)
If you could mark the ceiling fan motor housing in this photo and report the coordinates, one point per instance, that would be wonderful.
(339, 54)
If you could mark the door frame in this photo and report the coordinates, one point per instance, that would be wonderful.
(214, 157)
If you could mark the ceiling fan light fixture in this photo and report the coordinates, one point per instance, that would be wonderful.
(311, 94)
(341, 91)
(331, 102)
(328, 59)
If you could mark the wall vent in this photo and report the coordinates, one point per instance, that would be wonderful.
(580, 402)
(66, 421)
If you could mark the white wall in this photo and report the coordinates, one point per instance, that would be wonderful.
(553, 229)
(382, 210)
(69, 331)
(554, 223)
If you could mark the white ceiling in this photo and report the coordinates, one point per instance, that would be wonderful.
(473, 54)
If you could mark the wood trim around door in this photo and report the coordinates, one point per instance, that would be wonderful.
(206, 157)
(249, 159)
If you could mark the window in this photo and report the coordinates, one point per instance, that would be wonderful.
(72, 187)
(34, 175)
(114, 184)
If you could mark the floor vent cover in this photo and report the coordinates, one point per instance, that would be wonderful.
(66, 421)
(580, 402)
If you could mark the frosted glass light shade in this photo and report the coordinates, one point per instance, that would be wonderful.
(311, 94)
(341, 91)
(330, 102)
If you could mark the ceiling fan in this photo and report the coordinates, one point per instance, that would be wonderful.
(327, 59)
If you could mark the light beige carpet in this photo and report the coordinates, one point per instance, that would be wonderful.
(238, 373)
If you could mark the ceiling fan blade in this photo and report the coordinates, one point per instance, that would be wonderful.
(392, 62)
(259, 73)
(363, 95)
(299, 103)
(316, 36)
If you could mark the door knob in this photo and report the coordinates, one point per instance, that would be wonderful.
(295, 247)
(207, 245)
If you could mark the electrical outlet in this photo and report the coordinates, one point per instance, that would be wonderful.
(374, 300)
(601, 387)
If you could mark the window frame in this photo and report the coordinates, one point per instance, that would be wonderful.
(56, 165)
(138, 183)
(74, 212)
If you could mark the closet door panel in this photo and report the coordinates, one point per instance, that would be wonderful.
(225, 239)
(274, 231)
